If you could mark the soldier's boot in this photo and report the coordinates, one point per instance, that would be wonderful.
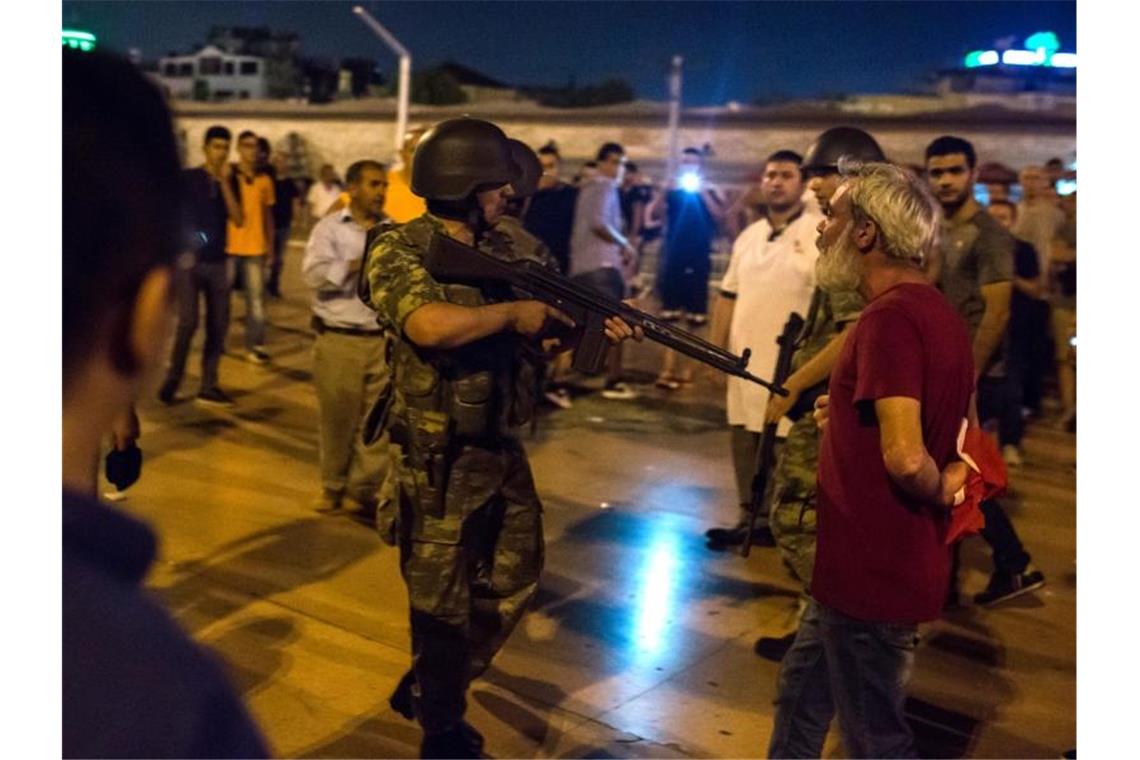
(402, 698)
(461, 741)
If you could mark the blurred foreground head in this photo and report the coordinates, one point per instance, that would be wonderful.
(122, 225)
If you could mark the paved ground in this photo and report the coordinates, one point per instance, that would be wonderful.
(641, 642)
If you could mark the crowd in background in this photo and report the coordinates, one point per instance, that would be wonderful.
(679, 226)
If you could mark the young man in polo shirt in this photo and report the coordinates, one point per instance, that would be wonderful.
(888, 473)
(976, 275)
(250, 243)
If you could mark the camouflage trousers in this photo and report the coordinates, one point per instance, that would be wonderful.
(791, 500)
(471, 561)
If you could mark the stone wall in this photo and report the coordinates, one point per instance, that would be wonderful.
(739, 145)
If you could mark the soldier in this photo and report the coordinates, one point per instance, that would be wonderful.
(470, 532)
(791, 500)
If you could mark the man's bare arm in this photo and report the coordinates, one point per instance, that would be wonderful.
(233, 208)
(816, 370)
(905, 455)
(994, 321)
(723, 309)
(447, 325)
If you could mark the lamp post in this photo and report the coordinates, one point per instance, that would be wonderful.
(403, 86)
(674, 114)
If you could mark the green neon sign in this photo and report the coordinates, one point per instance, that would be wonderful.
(1046, 41)
(1041, 49)
(77, 40)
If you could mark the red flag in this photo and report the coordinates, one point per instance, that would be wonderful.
(987, 480)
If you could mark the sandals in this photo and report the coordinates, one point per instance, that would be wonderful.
(670, 382)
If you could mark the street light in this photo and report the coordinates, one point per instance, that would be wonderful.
(674, 114)
(403, 86)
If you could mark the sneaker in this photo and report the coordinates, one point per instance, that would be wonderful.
(619, 392)
(698, 320)
(671, 315)
(1011, 454)
(166, 393)
(1003, 587)
(560, 398)
(214, 397)
(257, 356)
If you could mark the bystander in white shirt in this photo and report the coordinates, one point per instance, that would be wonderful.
(321, 197)
(772, 274)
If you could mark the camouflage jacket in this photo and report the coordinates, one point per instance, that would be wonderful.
(830, 316)
(478, 392)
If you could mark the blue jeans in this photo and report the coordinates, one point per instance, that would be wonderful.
(851, 668)
(253, 276)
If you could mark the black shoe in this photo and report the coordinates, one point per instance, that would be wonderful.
(166, 393)
(401, 699)
(731, 536)
(1003, 587)
(214, 397)
(462, 741)
(774, 649)
(720, 538)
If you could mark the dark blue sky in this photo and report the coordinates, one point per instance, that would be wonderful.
(733, 50)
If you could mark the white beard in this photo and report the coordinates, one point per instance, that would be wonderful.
(837, 268)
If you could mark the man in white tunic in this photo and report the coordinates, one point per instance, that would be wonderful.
(770, 275)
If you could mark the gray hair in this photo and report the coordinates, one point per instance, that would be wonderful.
(899, 203)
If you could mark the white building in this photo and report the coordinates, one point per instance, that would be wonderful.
(212, 74)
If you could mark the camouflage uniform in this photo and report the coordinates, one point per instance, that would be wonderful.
(470, 523)
(791, 500)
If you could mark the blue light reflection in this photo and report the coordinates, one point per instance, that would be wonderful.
(658, 578)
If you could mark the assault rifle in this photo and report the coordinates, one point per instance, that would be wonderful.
(765, 452)
(449, 260)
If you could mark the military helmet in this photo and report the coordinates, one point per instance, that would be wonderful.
(824, 154)
(530, 169)
(456, 156)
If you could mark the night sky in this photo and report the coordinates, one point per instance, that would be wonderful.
(733, 51)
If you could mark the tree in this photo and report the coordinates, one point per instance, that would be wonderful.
(607, 93)
(434, 87)
(364, 74)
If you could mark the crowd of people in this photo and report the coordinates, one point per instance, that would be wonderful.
(926, 315)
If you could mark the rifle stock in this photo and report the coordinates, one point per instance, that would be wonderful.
(764, 453)
(449, 260)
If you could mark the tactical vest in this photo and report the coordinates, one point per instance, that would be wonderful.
(474, 394)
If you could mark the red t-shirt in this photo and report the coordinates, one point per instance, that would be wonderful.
(880, 553)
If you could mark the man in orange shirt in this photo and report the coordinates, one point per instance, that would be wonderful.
(249, 242)
(401, 204)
